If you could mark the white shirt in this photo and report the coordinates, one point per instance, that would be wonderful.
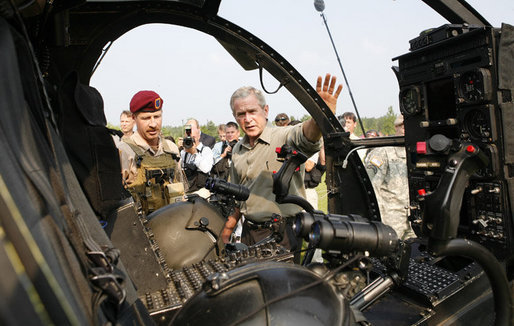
(202, 159)
(216, 151)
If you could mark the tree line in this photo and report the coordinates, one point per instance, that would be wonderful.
(383, 124)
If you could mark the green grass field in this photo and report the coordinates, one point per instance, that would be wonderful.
(321, 189)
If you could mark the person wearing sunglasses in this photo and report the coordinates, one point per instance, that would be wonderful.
(282, 120)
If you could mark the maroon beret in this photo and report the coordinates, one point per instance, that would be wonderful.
(145, 101)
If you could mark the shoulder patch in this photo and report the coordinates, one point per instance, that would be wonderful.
(376, 161)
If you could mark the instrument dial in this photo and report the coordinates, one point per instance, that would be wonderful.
(410, 100)
(477, 124)
(475, 86)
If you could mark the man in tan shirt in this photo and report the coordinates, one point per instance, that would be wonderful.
(254, 159)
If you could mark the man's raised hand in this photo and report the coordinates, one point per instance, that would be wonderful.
(327, 92)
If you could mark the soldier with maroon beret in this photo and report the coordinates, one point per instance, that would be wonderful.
(146, 151)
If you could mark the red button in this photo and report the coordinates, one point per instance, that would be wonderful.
(295, 152)
(421, 147)
(278, 150)
(422, 192)
(470, 149)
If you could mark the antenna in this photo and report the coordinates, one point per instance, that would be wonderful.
(320, 6)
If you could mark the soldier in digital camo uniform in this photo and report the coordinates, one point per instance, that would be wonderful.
(387, 169)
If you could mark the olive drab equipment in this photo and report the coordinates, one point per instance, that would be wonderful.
(157, 182)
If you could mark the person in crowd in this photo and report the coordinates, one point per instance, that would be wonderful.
(387, 169)
(282, 120)
(222, 151)
(127, 123)
(196, 159)
(233, 134)
(254, 160)
(221, 133)
(148, 161)
(372, 133)
(206, 140)
(126, 127)
(349, 122)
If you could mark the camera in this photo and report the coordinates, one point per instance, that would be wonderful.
(238, 192)
(188, 140)
(231, 144)
(339, 233)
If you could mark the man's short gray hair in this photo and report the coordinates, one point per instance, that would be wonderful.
(197, 124)
(126, 113)
(244, 92)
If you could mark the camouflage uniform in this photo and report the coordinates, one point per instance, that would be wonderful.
(387, 169)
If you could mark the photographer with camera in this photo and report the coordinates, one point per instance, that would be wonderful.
(196, 159)
(222, 151)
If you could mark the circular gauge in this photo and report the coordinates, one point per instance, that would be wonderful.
(410, 100)
(474, 86)
(477, 124)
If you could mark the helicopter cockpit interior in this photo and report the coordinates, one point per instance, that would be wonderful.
(59, 176)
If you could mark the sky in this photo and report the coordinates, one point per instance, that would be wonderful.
(195, 76)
